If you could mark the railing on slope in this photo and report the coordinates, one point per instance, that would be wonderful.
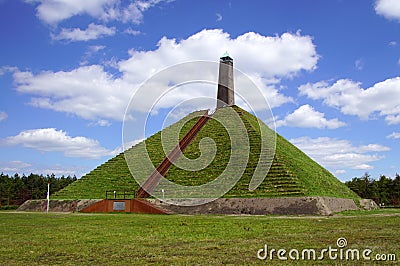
(152, 181)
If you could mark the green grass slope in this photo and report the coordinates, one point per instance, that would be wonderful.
(292, 173)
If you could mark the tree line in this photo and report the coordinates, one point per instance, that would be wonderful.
(16, 189)
(384, 191)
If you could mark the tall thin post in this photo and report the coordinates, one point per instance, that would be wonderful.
(48, 198)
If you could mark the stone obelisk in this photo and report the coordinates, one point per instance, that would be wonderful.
(225, 96)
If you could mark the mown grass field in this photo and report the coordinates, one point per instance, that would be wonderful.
(131, 239)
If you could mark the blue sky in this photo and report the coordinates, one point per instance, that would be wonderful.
(330, 71)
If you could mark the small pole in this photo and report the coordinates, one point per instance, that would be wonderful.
(48, 197)
(162, 190)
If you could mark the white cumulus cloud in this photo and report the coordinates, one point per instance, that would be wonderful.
(88, 92)
(132, 32)
(338, 153)
(394, 135)
(53, 12)
(14, 166)
(92, 32)
(20, 167)
(92, 93)
(390, 9)
(359, 64)
(307, 116)
(100, 123)
(350, 98)
(52, 140)
(3, 116)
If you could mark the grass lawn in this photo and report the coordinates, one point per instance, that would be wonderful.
(132, 239)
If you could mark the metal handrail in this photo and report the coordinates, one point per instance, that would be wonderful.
(127, 194)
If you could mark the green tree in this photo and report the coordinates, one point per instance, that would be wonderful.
(383, 191)
(15, 190)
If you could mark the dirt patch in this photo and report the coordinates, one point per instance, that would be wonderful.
(235, 206)
(56, 205)
(262, 206)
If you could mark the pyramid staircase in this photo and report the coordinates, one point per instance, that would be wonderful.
(152, 181)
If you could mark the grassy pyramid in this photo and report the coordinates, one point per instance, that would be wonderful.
(292, 172)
